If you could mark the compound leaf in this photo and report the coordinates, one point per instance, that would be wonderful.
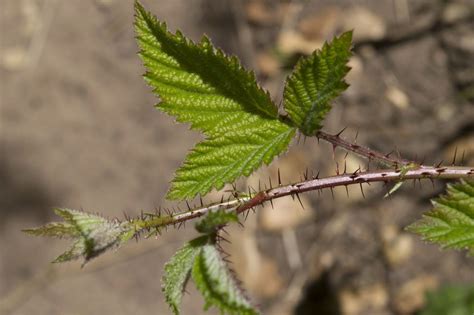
(177, 272)
(315, 82)
(216, 284)
(200, 85)
(451, 222)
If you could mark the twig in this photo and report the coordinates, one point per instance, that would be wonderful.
(385, 159)
(422, 172)
(357, 178)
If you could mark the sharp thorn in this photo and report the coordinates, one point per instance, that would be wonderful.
(454, 157)
(340, 132)
(362, 190)
(356, 171)
(298, 196)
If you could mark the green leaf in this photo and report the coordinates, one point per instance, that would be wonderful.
(177, 272)
(216, 284)
(215, 219)
(317, 80)
(200, 85)
(452, 300)
(451, 222)
(92, 234)
(220, 160)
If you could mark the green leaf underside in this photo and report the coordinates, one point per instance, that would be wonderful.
(317, 80)
(451, 222)
(177, 272)
(199, 85)
(216, 219)
(216, 284)
(91, 234)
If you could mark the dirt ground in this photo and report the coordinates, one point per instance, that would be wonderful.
(78, 130)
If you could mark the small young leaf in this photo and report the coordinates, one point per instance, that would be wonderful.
(177, 272)
(200, 85)
(215, 219)
(316, 81)
(451, 222)
(403, 171)
(92, 234)
(216, 284)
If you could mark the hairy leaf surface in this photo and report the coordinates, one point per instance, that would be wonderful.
(200, 85)
(315, 82)
(216, 219)
(91, 234)
(177, 272)
(451, 222)
(219, 160)
(216, 284)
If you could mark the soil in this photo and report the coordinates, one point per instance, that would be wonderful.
(78, 130)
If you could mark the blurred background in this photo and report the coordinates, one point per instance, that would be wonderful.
(78, 130)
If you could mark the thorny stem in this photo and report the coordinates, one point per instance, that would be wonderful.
(241, 205)
(400, 170)
(423, 172)
(158, 220)
(385, 159)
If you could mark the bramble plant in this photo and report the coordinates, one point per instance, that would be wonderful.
(198, 84)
